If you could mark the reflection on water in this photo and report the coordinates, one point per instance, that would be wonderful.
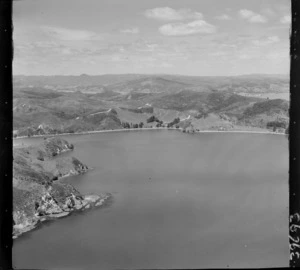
(179, 201)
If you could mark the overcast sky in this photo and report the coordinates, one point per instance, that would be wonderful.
(189, 37)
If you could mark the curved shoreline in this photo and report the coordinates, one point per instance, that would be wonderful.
(240, 131)
(141, 129)
(39, 192)
(88, 202)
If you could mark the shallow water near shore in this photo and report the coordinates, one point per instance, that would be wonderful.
(179, 201)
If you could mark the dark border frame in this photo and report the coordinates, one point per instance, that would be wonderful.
(6, 56)
(294, 137)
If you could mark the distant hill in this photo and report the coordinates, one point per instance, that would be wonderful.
(264, 112)
(207, 101)
(120, 82)
(59, 104)
(148, 85)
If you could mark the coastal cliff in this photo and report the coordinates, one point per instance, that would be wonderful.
(38, 195)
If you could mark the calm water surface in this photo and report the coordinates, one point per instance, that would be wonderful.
(179, 201)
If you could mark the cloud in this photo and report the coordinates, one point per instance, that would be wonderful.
(219, 53)
(170, 14)
(66, 51)
(286, 19)
(134, 30)
(69, 34)
(268, 12)
(266, 41)
(119, 58)
(51, 49)
(223, 17)
(183, 29)
(44, 45)
(166, 65)
(252, 16)
(246, 56)
(39, 47)
(278, 55)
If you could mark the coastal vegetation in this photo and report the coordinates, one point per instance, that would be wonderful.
(38, 193)
(174, 122)
(58, 105)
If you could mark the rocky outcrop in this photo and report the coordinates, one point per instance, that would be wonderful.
(50, 205)
(54, 146)
(38, 162)
(37, 197)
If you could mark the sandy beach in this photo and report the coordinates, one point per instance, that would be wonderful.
(141, 129)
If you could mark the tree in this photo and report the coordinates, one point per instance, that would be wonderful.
(276, 124)
(30, 132)
(152, 119)
(174, 122)
(125, 125)
(141, 124)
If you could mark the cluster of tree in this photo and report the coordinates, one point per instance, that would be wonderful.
(64, 115)
(159, 123)
(174, 122)
(275, 105)
(276, 124)
(153, 119)
(70, 130)
(127, 125)
(29, 132)
(200, 115)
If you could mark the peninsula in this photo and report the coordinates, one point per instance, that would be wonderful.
(38, 193)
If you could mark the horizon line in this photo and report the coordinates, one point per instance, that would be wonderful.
(153, 74)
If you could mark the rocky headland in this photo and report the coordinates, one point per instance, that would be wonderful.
(38, 194)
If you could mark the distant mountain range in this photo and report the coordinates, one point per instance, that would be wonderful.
(110, 79)
(58, 104)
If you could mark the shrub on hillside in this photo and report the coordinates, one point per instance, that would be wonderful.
(276, 105)
(152, 119)
(174, 122)
(125, 125)
(276, 124)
